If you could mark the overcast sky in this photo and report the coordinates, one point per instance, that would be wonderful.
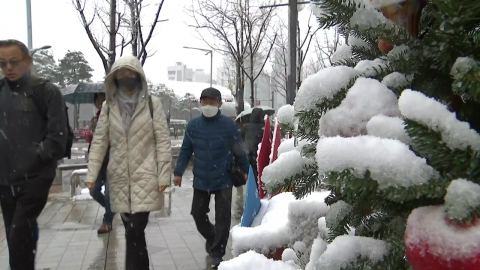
(56, 23)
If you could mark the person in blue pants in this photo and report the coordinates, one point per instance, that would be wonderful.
(96, 191)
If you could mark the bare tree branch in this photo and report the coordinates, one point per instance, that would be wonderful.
(86, 25)
(112, 22)
(143, 53)
(227, 25)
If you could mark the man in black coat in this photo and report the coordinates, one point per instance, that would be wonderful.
(31, 143)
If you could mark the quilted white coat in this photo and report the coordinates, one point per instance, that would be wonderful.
(140, 161)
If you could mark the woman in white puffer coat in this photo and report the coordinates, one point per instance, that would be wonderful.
(134, 125)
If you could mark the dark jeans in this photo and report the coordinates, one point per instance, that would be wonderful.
(216, 234)
(137, 253)
(103, 200)
(21, 206)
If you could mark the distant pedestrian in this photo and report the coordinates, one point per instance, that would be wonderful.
(96, 192)
(175, 133)
(134, 126)
(33, 137)
(253, 134)
(215, 140)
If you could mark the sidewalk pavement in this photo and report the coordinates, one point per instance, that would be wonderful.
(69, 240)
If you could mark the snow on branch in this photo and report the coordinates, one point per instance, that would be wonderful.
(366, 98)
(285, 115)
(323, 86)
(345, 250)
(390, 162)
(462, 199)
(436, 116)
(397, 80)
(388, 127)
(286, 166)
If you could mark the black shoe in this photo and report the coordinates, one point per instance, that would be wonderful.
(216, 262)
(208, 247)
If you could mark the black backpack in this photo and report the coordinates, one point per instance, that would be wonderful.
(38, 98)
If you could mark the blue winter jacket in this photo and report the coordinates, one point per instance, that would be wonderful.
(212, 141)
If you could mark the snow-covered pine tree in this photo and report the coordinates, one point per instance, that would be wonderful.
(382, 149)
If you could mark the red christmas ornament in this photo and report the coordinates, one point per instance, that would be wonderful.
(434, 243)
(384, 46)
(406, 13)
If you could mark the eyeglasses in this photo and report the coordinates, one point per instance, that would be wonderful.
(12, 63)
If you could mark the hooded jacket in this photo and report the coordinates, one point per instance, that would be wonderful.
(140, 158)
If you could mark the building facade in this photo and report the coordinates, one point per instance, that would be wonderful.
(279, 79)
(180, 72)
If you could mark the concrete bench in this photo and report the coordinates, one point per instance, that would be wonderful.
(76, 181)
(67, 167)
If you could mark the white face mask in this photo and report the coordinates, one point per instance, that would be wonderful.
(209, 110)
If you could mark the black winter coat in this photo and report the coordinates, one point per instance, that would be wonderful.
(254, 131)
(29, 144)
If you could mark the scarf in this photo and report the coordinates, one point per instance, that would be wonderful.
(127, 105)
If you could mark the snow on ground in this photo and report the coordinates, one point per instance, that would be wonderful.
(195, 88)
(253, 260)
(84, 194)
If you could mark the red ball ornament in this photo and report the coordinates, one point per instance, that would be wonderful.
(384, 46)
(432, 242)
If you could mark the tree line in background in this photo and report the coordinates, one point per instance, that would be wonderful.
(175, 107)
(73, 68)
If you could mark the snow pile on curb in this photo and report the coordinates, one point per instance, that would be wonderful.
(281, 222)
(272, 233)
(303, 217)
(253, 260)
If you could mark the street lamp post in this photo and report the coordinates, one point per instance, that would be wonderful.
(211, 60)
(292, 45)
(29, 24)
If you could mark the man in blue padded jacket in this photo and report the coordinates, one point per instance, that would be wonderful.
(214, 139)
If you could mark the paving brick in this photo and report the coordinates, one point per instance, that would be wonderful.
(69, 240)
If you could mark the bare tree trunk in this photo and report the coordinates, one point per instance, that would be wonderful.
(252, 83)
(113, 34)
(132, 4)
(239, 89)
